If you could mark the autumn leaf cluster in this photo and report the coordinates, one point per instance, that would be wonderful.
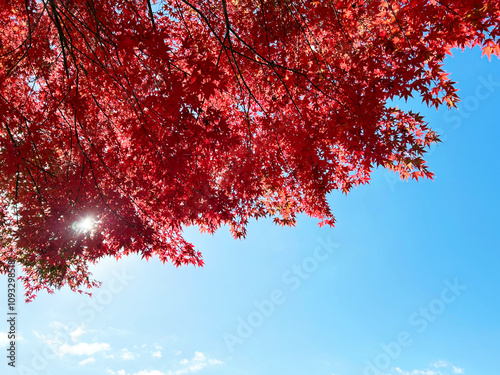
(143, 118)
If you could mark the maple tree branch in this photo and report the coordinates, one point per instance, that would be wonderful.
(449, 8)
(340, 24)
(29, 38)
(62, 38)
(399, 24)
(99, 24)
(237, 74)
(26, 4)
(271, 64)
(39, 193)
(150, 9)
(101, 195)
(228, 37)
(10, 135)
(303, 30)
(101, 41)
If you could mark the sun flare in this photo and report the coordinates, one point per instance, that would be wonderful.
(85, 225)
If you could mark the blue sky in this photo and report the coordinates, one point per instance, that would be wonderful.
(407, 283)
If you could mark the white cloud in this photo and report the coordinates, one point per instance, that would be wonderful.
(61, 341)
(156, 354)
(4, 339)
(142, 372)
(53, 341)
(58, 325)
(440, 367)
(119, 372)
(198, 362)
(77, 332)
(416, 372)
(441, 363)
(121, 332)
(85, 361)
(83, 348)
(127, 355)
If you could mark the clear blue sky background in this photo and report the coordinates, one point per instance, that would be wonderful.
(380, 302)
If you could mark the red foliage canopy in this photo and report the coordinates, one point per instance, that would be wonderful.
(142, 118)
